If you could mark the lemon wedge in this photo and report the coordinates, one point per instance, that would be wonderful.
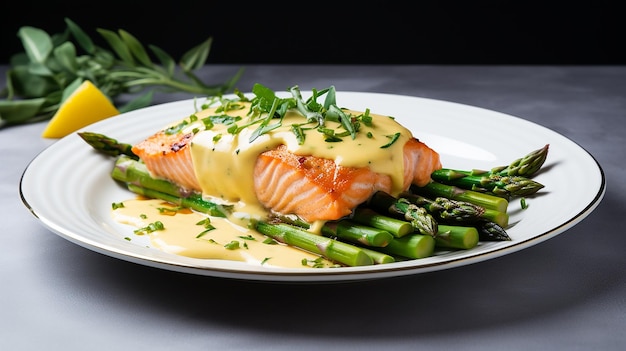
(86, 105)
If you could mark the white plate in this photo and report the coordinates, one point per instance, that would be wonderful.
(68, 186)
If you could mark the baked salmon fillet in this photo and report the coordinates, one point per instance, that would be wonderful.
(314, 188)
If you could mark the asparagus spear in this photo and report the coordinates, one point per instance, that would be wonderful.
(378, 257)
(435, 189)
(411, 246)
(462, 221)
(135, 173)
(194, 202)
(107, 145)
(504, 186)
(453, 211)
(491, 231)
(355, 233)
(506, 181)
(457, 237)
(490, 223)
(525, 166)
(420, 219)
(333, 250)
(369, 217)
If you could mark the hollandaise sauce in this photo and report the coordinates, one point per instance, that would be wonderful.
(224, 161)
(185, 232)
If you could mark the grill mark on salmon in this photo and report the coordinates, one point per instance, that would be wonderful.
(311, 187)
(168, 156)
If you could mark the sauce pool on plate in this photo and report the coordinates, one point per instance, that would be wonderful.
(188, 233)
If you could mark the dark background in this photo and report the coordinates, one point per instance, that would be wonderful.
(376, 32)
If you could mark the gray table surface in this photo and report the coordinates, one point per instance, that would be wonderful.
(567, 293)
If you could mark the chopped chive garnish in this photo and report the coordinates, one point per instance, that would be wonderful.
(393, 138)
(233, 245)
(523, 203)
(270, 241)
(206, 223)
(152, 227)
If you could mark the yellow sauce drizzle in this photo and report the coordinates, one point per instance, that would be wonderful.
(224, 162)
(182, 236)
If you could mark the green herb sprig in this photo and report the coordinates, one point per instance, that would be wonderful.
(316, 114)
(52, 67)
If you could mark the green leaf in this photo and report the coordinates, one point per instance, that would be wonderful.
(331, 98)
(138, 102)
(264, 93)
(23, 83)
(19, 59)
(60, 38)
(81, 37)
(345, 120)
(40, 69)
(18, 111)
(104, 58)
(117, 44)
(196, 57)
(36, 42)
(51, 67)
(136, 48)
(230, 84)
(65, 54)
(392, 139)
(166, 60)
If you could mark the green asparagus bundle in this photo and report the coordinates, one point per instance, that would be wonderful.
(504, 186)
(383, 230)
(334, 250)
(435, 189)
(412, 244)
(397, 227)
(353, 232)
(489, 223)
(508, 181)
(457, 237)
(525, 166)
(441, 208)
(420, 219)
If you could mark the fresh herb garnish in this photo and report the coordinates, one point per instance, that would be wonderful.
(316, 263)
(267, 112)
(247, 237)
(273, 109)
(206, 223)
(270, 241)
(523, 203)
(393, 138)
(233, 245)
(169, 211)
(152, 227)
(53, 66)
